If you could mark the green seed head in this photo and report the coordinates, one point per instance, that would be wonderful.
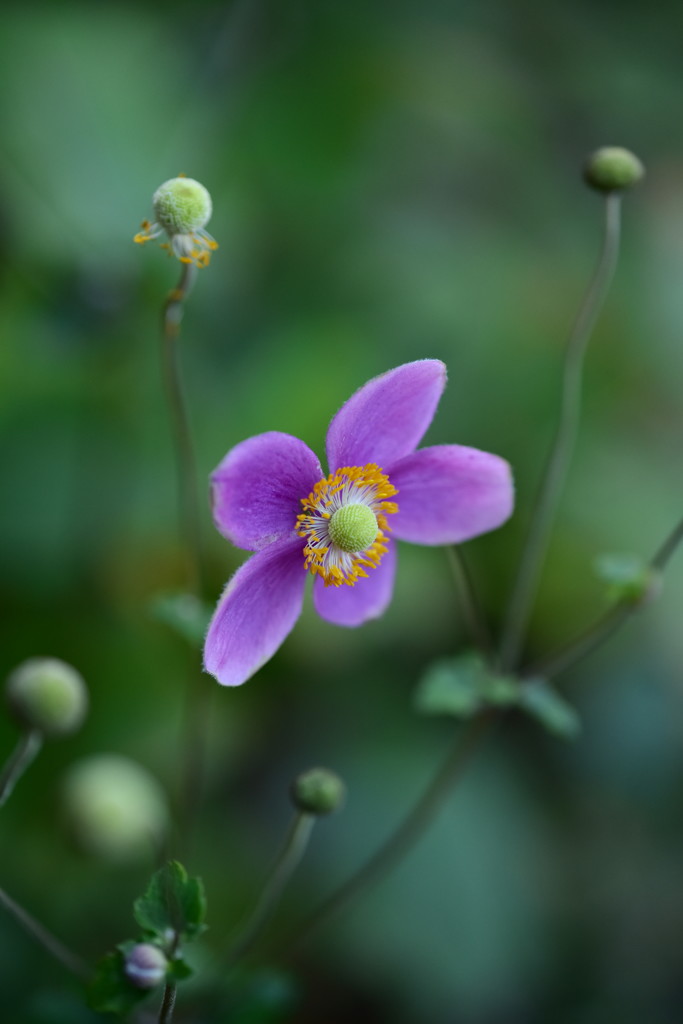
(48, 695)
(353, 527)
(182, 206)
(318, 791)
(612, 168)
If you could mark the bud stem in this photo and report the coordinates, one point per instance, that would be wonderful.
(287, 861)
(408, 832)
(576, 650)
(182, 436)
(23, 755)
(543, 514)
(53, 946)
(168, 1003)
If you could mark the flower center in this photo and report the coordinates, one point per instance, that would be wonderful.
(353, 527)
(343, 520)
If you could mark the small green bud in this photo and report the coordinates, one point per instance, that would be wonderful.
(48, 695)
(146, 965)
(116, 809)
(318, 791)
(612, 168)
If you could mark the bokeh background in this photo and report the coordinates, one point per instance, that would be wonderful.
(391, 181)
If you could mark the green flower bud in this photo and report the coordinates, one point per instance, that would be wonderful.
(612, 168)
(318, 791)
(48, 695)
(146, 965)
(115, 808)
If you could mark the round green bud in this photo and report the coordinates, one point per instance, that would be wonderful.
(48, 695)
(182, 206)
(353, 527)
(115, 808)
(612, 168)
(318, 791)
(146, 965)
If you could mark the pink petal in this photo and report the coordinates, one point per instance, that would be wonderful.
(258, 609)
(367, 599)
(387, 418)
(257, 488)
(449, 493)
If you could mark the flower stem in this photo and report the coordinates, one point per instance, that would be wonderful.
(288, 859)
(23, 755)
(576, 650)
(474, 616)
(168, 1003)
(54, 947)
(543, 514)
(182, 436)
(405, 836)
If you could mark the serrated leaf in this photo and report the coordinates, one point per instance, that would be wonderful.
(179, 969)
(462, 686)
(544, 703)
(172, 903)
(110, 991)
(184, 613)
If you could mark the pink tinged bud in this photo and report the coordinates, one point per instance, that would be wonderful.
(146, 965)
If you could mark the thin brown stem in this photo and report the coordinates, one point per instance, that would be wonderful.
(288, 860)
(23, 755)
(182, 436)
(474, 616)
(557, 465)
(168, 1003)
(53, 946)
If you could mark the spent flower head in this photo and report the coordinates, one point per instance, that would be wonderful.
(271, 496)
(182, 208)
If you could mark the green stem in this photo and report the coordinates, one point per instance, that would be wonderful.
(23, 755)
(168, 1003)
(595, 636)
(182, 436)
(54, 947)
(289, 858)
(543, 514)
(405, 836)
(474, 616)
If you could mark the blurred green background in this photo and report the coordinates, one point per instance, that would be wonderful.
(391, 181)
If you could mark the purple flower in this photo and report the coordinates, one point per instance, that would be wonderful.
(271, 496)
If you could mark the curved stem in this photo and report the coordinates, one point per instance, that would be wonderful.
(543, 514)
(476, 621)
(54, 947)
(289, 858)
(23, 755)
(168, 1003)
(576, 650)
(182, 436)
(405, 836)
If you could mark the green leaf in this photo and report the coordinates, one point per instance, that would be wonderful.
(184, 613)
(630, 577)
(543, 702)
(110, 991)
(462, 686)
(179, 969)
(172, 903)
